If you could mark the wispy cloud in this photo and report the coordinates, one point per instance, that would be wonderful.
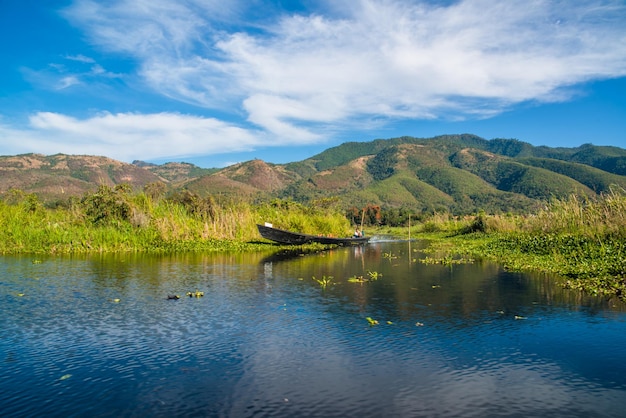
(292, 75)
(67, 81)
(128, 136)
(80, 58)
(67, 72)
(395, 58)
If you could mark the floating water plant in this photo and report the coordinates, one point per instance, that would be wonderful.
(446, 260)
(372, 276)
(357, 279)
(371, 321)
(197, 294)
(389, 256)
(324, 281)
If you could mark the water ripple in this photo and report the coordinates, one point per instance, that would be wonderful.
(98, 337)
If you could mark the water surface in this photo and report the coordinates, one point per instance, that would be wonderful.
(97, 336)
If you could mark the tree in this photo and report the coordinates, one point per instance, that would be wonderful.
(107, 205)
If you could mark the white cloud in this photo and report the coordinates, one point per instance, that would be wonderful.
(296, 76)
(128, 136)
(398, 58)
(80, 58)
(73, 71)
(67, 81)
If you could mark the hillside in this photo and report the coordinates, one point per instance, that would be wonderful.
(460, 173)
(59, 176)
(175, 173)
(245, 179)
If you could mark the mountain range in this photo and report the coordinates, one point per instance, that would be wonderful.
(458, 173)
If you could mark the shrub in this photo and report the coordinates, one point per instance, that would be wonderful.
(107, 205)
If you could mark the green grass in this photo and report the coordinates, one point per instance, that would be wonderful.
(581, 240)
(595, 267)
(113, 220)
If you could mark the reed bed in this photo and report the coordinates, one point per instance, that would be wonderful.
(113, 220)
(599, 218)
(583, 240)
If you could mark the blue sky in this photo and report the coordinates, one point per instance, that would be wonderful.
(214, 82)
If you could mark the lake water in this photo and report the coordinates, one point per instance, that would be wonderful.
(97, 336)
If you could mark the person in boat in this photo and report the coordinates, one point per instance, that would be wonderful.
(357, 233)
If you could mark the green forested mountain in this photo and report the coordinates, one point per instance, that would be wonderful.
(459, 173)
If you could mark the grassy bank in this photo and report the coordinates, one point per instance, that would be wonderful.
(583, 241)
(116, 220)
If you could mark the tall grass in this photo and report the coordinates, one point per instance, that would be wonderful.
(114, 220)
(599, 218)
(604, 216)
(307, 219)
(581, 239)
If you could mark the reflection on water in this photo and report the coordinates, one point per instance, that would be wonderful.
(97, 336)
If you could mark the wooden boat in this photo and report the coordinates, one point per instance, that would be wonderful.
(293, 238)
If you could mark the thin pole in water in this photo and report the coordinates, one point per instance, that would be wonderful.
(409, 227)
(362, 219)
(409, 239)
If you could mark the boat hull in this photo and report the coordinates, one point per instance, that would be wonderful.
(293, 238)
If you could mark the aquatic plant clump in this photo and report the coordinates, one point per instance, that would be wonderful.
(324, 282)
(598, 267)
(582, 240)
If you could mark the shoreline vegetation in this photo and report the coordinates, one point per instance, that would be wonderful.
(579, 239)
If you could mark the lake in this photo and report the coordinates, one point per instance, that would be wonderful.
(97, 336)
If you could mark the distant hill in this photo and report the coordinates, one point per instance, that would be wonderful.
(175, 173)
(59, 176)
(246, 179)
(460, 173)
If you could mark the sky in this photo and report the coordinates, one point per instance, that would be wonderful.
(216, 82)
